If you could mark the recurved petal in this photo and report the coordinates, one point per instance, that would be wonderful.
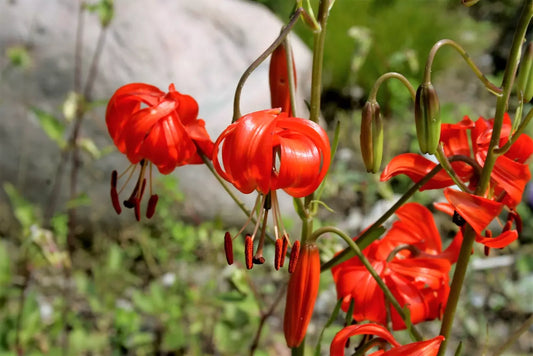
(339, 341)
(476, 210)
(416, 167)
(420, 348)
(500, 241)
(511, 178)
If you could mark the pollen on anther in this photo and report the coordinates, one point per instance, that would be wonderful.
(284, 250)
(248, 251)
(152, 202)
(277, 254)
(295, 253)
(228, 248)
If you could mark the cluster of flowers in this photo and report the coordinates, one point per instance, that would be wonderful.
(270, 149)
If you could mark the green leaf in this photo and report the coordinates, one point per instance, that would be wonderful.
(54, 128)
(24, 212)
(89, 146)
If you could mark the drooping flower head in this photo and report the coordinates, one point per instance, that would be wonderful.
(154, 128)
(471, 140)
(421, 348)
(410, 260)
(269, 150)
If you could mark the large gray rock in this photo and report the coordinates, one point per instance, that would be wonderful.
(202, 46)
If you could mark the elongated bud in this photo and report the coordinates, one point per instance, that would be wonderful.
(280, 93)
(249, 251)
(427, 118)
(228, 247)
(371, 137)
(525, 74)
(301, 295)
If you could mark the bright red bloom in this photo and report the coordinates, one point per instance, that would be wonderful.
(478, 212)
(150, 126)
(268, 150)
(410, 260)
(510, 174)
(301, 295)
(421, 348)
(278, 75)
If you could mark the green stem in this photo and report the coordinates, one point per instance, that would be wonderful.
(388, 294)
(291, 75)
(516, 134)
(456, 286)
(374, 91)
(319, 40)
(368, 236)
(283, 34)
(501, 106)
(427, 73)
(441, 157)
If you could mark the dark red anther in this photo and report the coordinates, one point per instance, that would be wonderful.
(115, 201)
(114, 178)
(284, 250)
(258, 260)
(249, 251)
(152, 202)
(277, 253)
(295, 252)
(137, 208)
(228, 247)
(130, 202)
(114, 193)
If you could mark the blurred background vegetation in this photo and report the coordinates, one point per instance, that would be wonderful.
(163, 287)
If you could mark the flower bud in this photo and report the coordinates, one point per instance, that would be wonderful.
(427, 118)
(371, 137)
(525, 77)
(280, 93)
(301, 295)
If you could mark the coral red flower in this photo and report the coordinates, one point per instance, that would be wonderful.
(410, 260)
(154, 128)
(478, 212)
(421, 348)
(301, 295)
(269, 150)
(510, 174)
(280, 94)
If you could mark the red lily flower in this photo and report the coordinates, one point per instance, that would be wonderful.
(301, 295)
(510, 174)
(420, 348)
(151, 127)
(280, 94)
(478, 212)
(269, 150)
(410, 260)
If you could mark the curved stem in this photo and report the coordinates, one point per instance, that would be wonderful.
(368, 236)
(319, 40)
(427, 72)
(374, 91)
(514, 336)
(388, 294)
(290, 74)
(283, 34)
(445, 163)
